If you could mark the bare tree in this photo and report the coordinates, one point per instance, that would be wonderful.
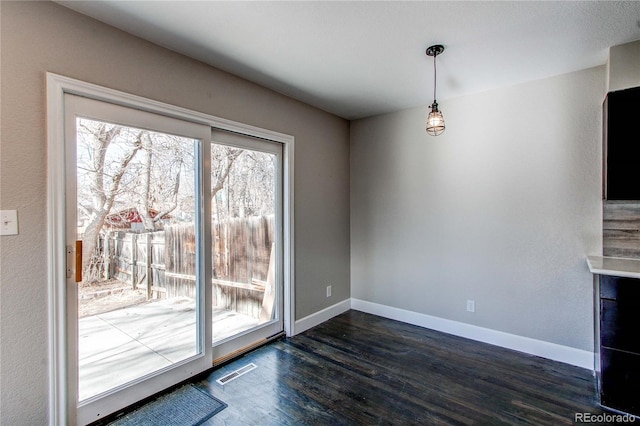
(222, 161)
(163, 158)
(143, 201)
(102, 180)
(251, 185)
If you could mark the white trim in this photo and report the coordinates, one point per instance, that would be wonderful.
(553, 351)
(288, 266)
(93, 91)
(62, 408)
(319, 317)
(56, 255)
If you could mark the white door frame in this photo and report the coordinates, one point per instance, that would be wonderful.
(62, 409)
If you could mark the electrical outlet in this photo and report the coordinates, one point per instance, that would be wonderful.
(471, 305)
(328, 291)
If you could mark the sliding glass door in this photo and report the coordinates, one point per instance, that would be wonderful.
(169, 251)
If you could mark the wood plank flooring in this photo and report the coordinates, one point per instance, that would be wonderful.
(360, 369)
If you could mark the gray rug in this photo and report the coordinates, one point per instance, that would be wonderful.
(185, 406)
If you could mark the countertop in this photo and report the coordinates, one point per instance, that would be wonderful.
(616, 266)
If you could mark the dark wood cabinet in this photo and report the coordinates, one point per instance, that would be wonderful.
(619, 343)
(622, 145)
(620, 382)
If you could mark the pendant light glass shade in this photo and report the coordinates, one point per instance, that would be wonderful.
(435, 121)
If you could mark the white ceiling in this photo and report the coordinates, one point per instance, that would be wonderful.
(362, 58)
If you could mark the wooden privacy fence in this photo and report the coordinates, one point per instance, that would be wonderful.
(135, 258)
(163, 263)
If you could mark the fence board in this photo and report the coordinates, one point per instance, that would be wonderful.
(180, 259)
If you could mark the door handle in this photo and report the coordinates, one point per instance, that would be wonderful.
(78, 261)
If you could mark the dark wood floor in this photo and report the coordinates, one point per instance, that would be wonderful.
(359, 369)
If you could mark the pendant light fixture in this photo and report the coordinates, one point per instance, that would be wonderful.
(435, 120)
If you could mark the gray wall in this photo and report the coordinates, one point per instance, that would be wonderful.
(502, 208)
(39, 37)
(623, 66)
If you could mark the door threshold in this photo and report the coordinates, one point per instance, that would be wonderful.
(238, 353)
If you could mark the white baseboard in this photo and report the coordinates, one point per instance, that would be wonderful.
(566, 354)
(321, 316)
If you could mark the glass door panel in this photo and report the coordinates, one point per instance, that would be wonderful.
(246, 240)
(137, 317)
(136, 217)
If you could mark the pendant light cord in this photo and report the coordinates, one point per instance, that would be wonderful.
(435, 73)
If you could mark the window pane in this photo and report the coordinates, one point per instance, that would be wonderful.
(244, 239)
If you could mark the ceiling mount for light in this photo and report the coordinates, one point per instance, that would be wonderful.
(435, 50)
(435, 120)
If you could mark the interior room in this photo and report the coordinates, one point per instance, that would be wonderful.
(510, 239)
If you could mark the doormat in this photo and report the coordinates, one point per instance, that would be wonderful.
(185, 406)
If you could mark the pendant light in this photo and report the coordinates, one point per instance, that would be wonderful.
(435, 120)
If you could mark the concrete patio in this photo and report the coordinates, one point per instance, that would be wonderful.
(119, 346)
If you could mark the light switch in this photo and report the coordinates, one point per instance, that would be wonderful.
(8, 222)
